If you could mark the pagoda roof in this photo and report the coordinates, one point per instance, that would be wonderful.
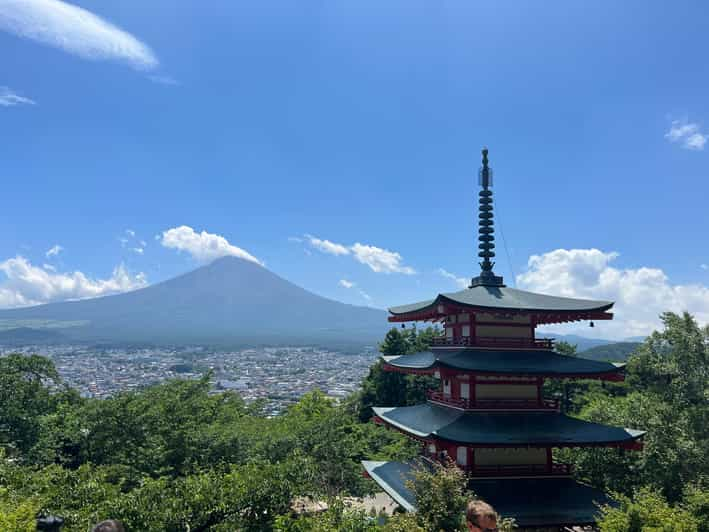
(392, 478)
(499, 362)
(505, 298)
(532, 502)
(508, 429)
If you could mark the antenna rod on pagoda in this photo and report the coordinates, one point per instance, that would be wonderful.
(486, 231)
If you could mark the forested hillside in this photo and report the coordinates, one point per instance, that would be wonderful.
(177, 457)
(616, 352)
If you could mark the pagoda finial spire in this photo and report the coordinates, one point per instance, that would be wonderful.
(486, 231)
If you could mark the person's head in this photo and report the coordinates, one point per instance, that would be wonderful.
(109, 525)
(480, 517)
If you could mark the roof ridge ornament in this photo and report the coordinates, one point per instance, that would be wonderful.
(486, 231)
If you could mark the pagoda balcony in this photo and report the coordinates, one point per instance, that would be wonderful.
(490, 341)
(436, 396)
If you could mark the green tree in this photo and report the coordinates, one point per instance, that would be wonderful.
(25, 395)
(669, 398)
(646, 511)
(441, 496)
(387, 388)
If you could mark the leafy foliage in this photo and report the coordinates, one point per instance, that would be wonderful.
(177, 457)
(668, 396)
(173, 456)
(441, 497)
(647, 511)
(385, 388)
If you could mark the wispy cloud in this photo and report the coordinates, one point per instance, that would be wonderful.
(461, 282)
(9, 98)
(687, 134)
(54, 251)
(74, 30)
(25, 284)
(378, 259)
(704, 266)
(204, 247)
(326, 246)
(350, 284)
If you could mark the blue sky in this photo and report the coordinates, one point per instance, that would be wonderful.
(282, 125)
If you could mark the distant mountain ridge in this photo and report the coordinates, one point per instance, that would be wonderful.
(228, 301)
(615, 352)
(28, 335)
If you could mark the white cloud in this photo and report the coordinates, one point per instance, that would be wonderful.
(49, 267)
(379, 260)
(461, 282)
(326, 246)
(139, 251)
(26, 285)
(130, 233)
(204, 247)
(365, 295)
(295, 239)
(346, 284)
(640, 294)
(74, 30)
(54, 251)
(9, 98)
(688, 134)
(704, 266)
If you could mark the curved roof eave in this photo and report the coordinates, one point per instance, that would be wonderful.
(502, 428)
(504, 298)
(534, 363)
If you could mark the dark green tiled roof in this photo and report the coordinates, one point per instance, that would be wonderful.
(392, 477)
(531, 362)
(507, 298)
(502, 428)
(543, 501)
(531, 502)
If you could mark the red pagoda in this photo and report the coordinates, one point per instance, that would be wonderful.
(489, 414)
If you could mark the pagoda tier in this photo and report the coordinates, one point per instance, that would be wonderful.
(532, 502)
(493, 429)
(505, 303)
(467, 364)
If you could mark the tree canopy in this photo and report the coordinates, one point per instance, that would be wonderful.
(177, 456)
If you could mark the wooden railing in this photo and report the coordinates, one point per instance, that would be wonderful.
(489, 341)
(492, 404)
